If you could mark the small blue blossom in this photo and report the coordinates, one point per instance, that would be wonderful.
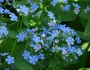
(55, 49)
(36, 38)
(76, 10)
(71, 49)
(26, 55)
(55, 33)
(79, 52)
(1, 1)
(76, 5)
(51, 23)
(34, 7)
(65, 1)
(4, 54)
(70, 40)
(78, 39)
(64, 51)
(7, 11)
(28, 0)
(9, 59)
(13, 17)
(4, 30)
(6, 69)
(54, 2)
(50, 14)
(24, 10)
(13, 66)
(41, 56)
(37, 47)
(1, 10)
(33, 59)
(21, 36)
(87, 9)
(66, 8)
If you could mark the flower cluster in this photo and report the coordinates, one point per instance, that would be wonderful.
(56, 38)
(12, 16)
(67, 7)
(32, 58)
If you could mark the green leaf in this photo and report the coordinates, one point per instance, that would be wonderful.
(87, 38)
(26, 22)
(83, 21)
(21, 64)
(84, 69)
(12, 33)
(70, 16)
(84, 15)
(53, 63)
(87, 29)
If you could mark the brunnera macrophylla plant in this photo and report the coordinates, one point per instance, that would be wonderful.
(36, 27)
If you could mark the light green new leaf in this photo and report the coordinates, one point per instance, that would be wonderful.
(84, 69)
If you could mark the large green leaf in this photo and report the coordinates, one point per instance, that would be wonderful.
(22, 64)
(83, 21)
(12, 33)
(70, 16)
(84, 15)
(26, 22)
(84, 69)
(87, 38)
(87, 29)
(53, 63)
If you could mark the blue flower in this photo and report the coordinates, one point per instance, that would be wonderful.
(37, 47)
(65, 1)
(76, 5)
(7, 11)
(3, 54)
(4, 30)
(34, 7)
(28, 0)
(55, 33)
(51, 23)
(87, 9)
(1, 10)
(76, 10)
(33, 59)
(70, 40)
(9, 59)
(24, 10)
(66, 8)
(36, 38)
(55, 49)
(6, 68)
(26, 55)
(13, 17)
(21, 36)
(1, 1)
(79, 52)
(54, 2)
(78, 39)
(50, 15)
(41, 56)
